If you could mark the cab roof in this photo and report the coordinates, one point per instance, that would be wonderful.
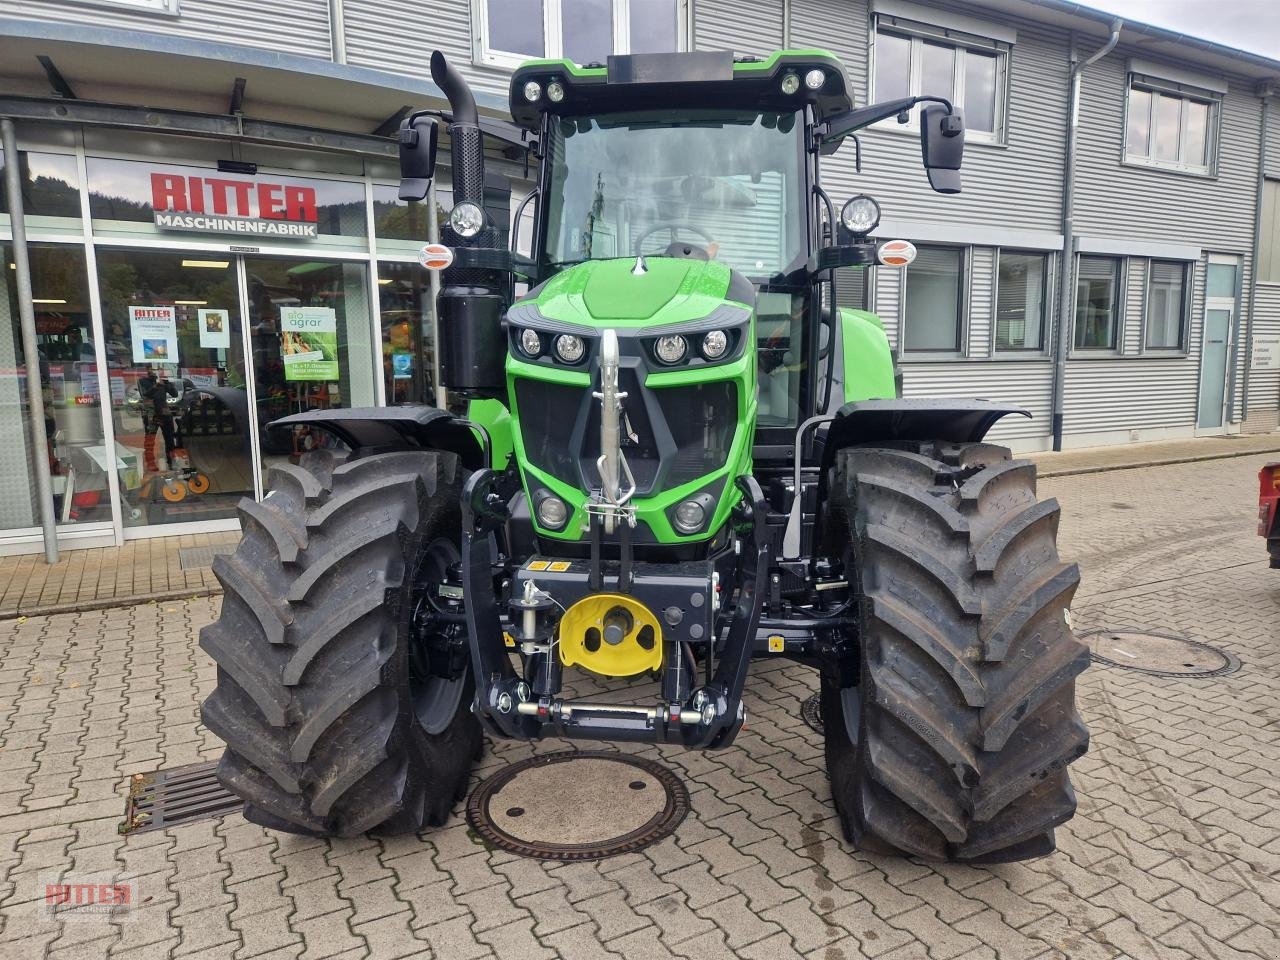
(680, 80)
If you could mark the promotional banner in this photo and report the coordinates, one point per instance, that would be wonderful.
(154, 331)
(309, 341)
(215, 329)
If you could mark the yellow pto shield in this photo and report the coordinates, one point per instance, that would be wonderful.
(611, 635)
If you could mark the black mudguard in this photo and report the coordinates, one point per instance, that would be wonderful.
(901, 420)
(369, 430)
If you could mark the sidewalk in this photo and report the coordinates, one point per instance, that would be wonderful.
(169, 568)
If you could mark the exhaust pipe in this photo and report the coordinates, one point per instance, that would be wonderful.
(472, 346)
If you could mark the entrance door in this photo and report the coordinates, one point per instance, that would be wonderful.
(1220, 308)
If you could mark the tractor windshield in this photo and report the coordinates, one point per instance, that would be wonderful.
(630, 183)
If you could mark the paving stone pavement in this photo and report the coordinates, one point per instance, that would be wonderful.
(1175, 852)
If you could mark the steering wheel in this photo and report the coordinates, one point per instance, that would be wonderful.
(675, 227)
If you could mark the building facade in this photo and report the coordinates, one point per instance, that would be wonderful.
(209, 192)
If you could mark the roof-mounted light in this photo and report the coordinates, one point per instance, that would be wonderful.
(533, 91)
(555, 91)
(790, 84)
(814, 79)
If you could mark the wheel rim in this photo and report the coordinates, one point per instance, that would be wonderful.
(435, 697)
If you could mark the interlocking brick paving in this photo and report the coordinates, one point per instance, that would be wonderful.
(1175, 852)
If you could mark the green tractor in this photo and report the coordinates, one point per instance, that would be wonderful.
(672, 453)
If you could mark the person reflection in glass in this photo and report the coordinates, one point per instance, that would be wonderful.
(155, 389)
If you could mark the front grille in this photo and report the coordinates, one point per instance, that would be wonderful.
(548, 413)
(702, 420)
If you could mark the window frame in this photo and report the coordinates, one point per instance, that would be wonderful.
(920, 33)
(1184, 322)
(1268, 252)
(553, 33)
(1047, 312)
(160, 8)
(1184, 94)
(1119, 301)
(961, 352)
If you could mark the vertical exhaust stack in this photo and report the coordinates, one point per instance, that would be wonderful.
(472, 347)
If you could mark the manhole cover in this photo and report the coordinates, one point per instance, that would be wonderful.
(578, 805)
(1160, 654)
(167, 798)
(811, 712)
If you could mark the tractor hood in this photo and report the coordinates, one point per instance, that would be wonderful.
(639, 292)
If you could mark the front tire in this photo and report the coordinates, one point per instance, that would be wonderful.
(333, 722)
(950, 726)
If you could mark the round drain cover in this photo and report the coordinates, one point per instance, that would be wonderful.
(811, 713)
(1160, 654)
(578, 805)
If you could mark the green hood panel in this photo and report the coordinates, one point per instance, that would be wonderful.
(610, 293)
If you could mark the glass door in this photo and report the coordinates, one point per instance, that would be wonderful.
(177, 381)
(311, 331)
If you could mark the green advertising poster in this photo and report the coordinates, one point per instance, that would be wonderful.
(309, 339)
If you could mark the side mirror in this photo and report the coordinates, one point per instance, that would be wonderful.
(419, 139)
(942, 146)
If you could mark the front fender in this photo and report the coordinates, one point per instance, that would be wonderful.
(409, 427)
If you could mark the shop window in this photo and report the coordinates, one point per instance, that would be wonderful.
(70, 390)
(933, 312)
(194, 202)
(917, 60)
(178, 384)
(399, 220)
(1021, 299)
(1098, 303)
(1169, 129)
(408, 352)
(1167, 303)
(509, 32)
(50, 187)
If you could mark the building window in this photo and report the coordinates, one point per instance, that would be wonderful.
(971, 74)
(1170, 129)
(1166, 304)
(1269, 249)
(169, 7)
(1098, 303)
(509, 32)
(1021, 297)
(933, 313)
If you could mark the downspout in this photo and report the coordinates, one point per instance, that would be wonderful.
(786, 24)
(1266, 90)
(30, 348)
(337, 31)
(1067, 271)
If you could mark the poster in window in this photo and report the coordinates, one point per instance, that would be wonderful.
(309, 341)
(154, 331)
(402, 366)
(215, 329)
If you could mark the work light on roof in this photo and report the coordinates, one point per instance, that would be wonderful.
(555, 91)
(790, 84)
(814, 79)
(533, 91)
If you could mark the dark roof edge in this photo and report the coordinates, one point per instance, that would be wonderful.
(117, 37)
(1073, 8)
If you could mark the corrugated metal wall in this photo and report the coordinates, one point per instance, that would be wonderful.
(1264, 385)
(289, 26)
(753, 27)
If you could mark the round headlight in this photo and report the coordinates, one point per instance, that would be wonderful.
(714, 344)
(532, 91)
(466, 218)
(570, 348)
(552, 512)
(860, 215)
(671, 348)
(530, 342)
(814, 79)
(689, 517)
(790, 84)
(555, 91)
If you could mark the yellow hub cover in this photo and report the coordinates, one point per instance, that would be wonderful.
(612, 635)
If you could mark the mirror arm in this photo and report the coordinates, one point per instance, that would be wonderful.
(842, 125)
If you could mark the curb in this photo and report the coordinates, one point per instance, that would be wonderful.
(1172, 461)
(103, 603)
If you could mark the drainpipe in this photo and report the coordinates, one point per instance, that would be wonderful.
(337, 31)
(1265, 90)
(1067, 272)
(786, 24)
(30, 349)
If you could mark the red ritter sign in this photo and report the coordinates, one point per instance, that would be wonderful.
(220, 205)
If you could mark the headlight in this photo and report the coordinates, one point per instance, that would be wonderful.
(671, 348)
(860, 215)
(552, 512)
(714, 344)
(814, 79)
(790, 84)
(466, 219)
(555, 91)
(569, 348)
(530, 342)
(689, 517)
(532, 91)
